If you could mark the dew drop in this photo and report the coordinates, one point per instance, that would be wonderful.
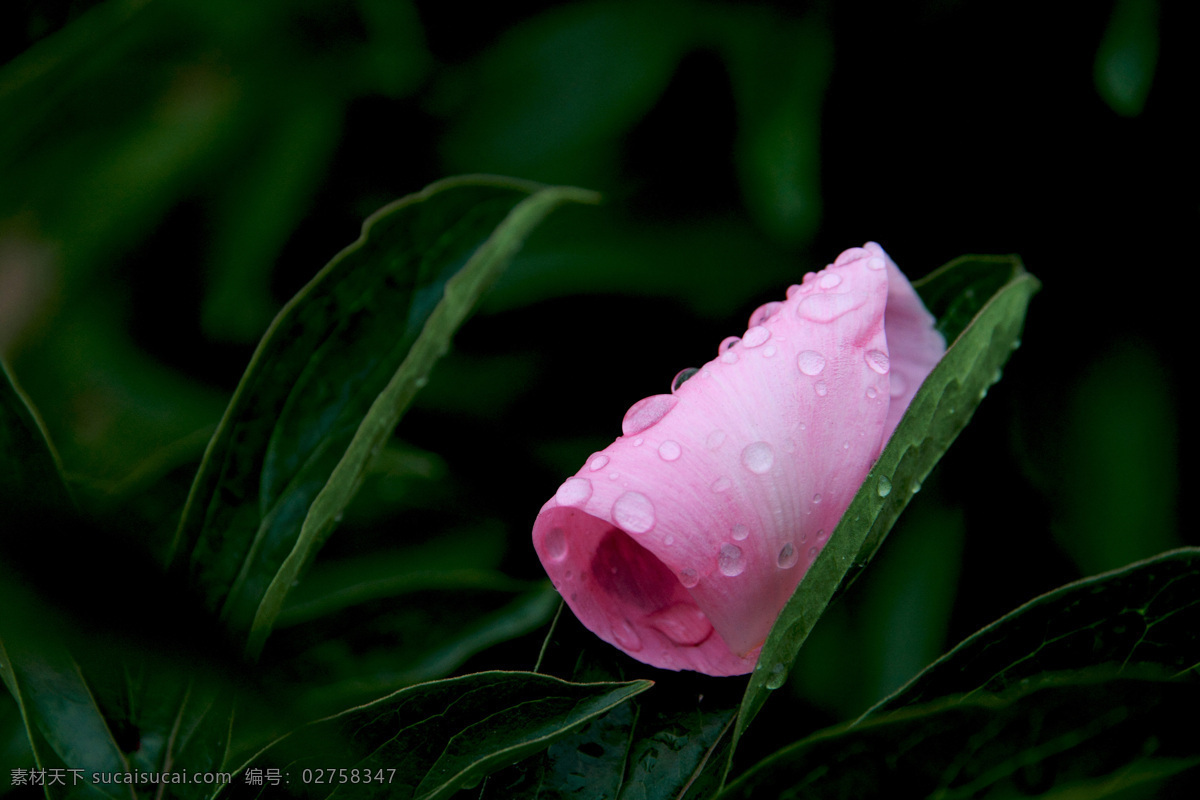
(574, 492)
(726, 343)
(758, 457)
(670, 540)
(682, 377)
(787, 556)
(730, 561)
(721, 484)
(816, 499)
(598, 463)
(612, 476)
(556, 544)
(811, 362)
(885, 486)
(871, 392)
(682, 623)
(669, 451)
(829, 280)
(769, 351)
(916, 487)
(756, 336)
(792, 290)
(634, 512)
(689, 578)
(777, 677)
(765, 312)
(739, 532)
(638, 442)
(729, 357)
(821, 388)
(828, 307)
(421, 382)
(626, 637)
(647, 412)
(822, 535)
(812, 553)
(878, 361)
(845, 445)
(715, 440)
(875, 263)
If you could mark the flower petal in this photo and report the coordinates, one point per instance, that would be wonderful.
(681, 542)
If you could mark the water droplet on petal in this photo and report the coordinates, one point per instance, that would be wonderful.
(739, 532)
(787, 556)
(756, 336)
(816, 499)
(727, 342)
(721, 484)
(647, 412)
(821, 388)
(729, 357)
(612, 476)
(689, 578)
(811, 362)
(598, 463)
(821, 535)
(878, 361)
(626, 637)
(556, 544)
(769, 351)
(634, 512)
(829, 280)
(574, 492)
(682, 623)
(669, 451)
(791, 290)
(828, 307)
(758, 457)
(885, 486)
(765, 312)
(777, 677)
(682, 377)
(871, 393)
(730, 561)
(875, 263)
(897, 385)
(812, 553)
(715, 440)
(638, 442)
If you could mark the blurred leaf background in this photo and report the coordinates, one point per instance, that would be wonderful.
(171, 171)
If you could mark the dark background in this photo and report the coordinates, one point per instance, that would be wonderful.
(171, 172)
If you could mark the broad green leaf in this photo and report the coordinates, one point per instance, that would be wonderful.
(430, 740)
(65, 727)
(369, 639)
(330, 380)
(634, 752)
(1078, 740)
(980, 303)
(1143, 616)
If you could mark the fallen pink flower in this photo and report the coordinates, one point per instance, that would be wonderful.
(683, 539)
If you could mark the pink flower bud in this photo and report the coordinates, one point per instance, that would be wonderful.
(683, 539)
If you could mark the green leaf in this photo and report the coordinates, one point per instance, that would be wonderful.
(371, 638)
(65, 727)
(1127, 56)
(637, 751)
(28, 463)
(980, 302)
(430, 740)
(1079, 740)
(331, 378)
(1146, 615)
